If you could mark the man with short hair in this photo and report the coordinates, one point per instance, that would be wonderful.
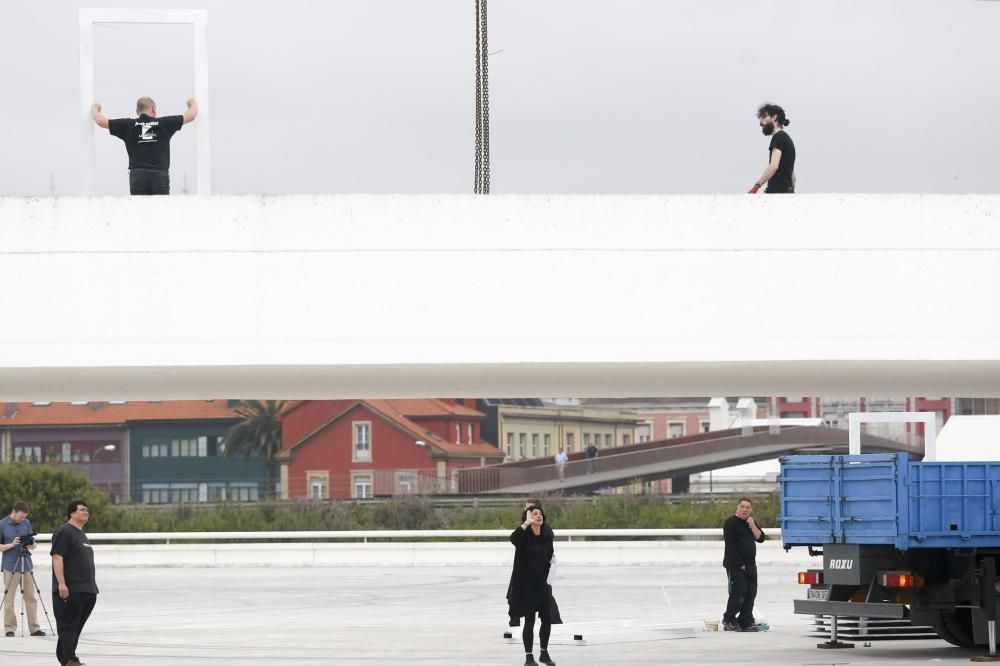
(779, 175)
(147, 141)
(741, 535)
(560, 460)
(17, 570)
(74, 584)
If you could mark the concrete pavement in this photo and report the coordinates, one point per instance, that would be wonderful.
(427, 615)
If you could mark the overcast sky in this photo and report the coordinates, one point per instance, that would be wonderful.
(622, 96)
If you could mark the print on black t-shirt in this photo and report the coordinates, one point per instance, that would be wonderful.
(147, 139)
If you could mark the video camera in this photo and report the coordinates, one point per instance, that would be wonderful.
(28, 539)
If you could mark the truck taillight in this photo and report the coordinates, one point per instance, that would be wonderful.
(810, 578)
(900, 579)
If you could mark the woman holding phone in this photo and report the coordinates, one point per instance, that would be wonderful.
(530, 592)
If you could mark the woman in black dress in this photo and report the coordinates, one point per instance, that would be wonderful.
(530, 592)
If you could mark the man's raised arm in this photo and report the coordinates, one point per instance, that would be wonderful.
(192, 110)
(99, 118)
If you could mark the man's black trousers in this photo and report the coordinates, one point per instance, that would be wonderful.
(71, 614)
(149, 181)
(742, 593)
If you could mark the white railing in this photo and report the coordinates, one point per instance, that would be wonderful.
(365, 535)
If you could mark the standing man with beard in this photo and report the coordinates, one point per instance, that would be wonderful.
(74, 587)
(741, 535)
(780, 172)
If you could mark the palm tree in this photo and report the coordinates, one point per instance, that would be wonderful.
(257, 434)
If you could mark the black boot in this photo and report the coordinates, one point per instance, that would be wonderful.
(529, 660)
(546, 659)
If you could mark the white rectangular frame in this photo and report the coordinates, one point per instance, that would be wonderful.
(198, 18)
(929, 419)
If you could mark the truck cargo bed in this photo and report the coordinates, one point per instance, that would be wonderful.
(887, 499)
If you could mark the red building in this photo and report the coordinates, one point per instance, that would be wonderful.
(370, 448)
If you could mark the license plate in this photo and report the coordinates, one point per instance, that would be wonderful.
(818, 594)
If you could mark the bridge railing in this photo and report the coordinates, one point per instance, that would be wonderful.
(615, 464)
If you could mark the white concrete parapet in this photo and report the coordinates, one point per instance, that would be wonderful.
(406, 554)
(393, 295)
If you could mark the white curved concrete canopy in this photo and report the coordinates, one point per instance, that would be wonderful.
(375, 295)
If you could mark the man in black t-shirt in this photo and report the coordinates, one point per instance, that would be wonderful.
(741, 535)
(147, 141)
(780, 172)
(74, 585)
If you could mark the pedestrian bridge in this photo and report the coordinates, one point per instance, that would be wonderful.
(671, 457)
(190, 297)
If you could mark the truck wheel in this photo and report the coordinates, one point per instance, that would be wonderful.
(957, 627)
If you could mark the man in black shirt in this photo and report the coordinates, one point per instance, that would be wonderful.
(741, 535)
(591, 458)
(147, 141)
(780, 172)
(74, 586)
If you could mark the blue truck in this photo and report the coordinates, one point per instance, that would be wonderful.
(900, 539)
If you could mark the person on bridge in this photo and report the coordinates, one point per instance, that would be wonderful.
(529, 592)
(741, 535)
(560, 460)
(780, 171)
(591, 458)
(147, 142)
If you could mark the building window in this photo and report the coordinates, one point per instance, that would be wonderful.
(319, 485)
(156, 493)
(675, 430)
(644, 433)
(626, 440)
(192, 447)
(706, 426)
(406, 483)
(362, 486)
(547, 445)
(607, 441)
(244, 492)
(586, 440)
(570, 442)
(31, 454)
(362, 441)
(510, 445)
(183, 492)
(458, 433)
(155, 450)
(522, 441)
(468, 433)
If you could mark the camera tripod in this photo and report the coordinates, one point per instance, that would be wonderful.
(23, 558)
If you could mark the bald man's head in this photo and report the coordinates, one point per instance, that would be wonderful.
(145, 105)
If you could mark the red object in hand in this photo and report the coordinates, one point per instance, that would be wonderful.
(753, 190)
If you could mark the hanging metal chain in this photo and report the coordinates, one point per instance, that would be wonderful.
(482, 168)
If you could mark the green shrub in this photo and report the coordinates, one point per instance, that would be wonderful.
(48, 489)
(419, 513)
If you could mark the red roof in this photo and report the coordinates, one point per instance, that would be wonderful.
(417, 408)
(104, 413)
